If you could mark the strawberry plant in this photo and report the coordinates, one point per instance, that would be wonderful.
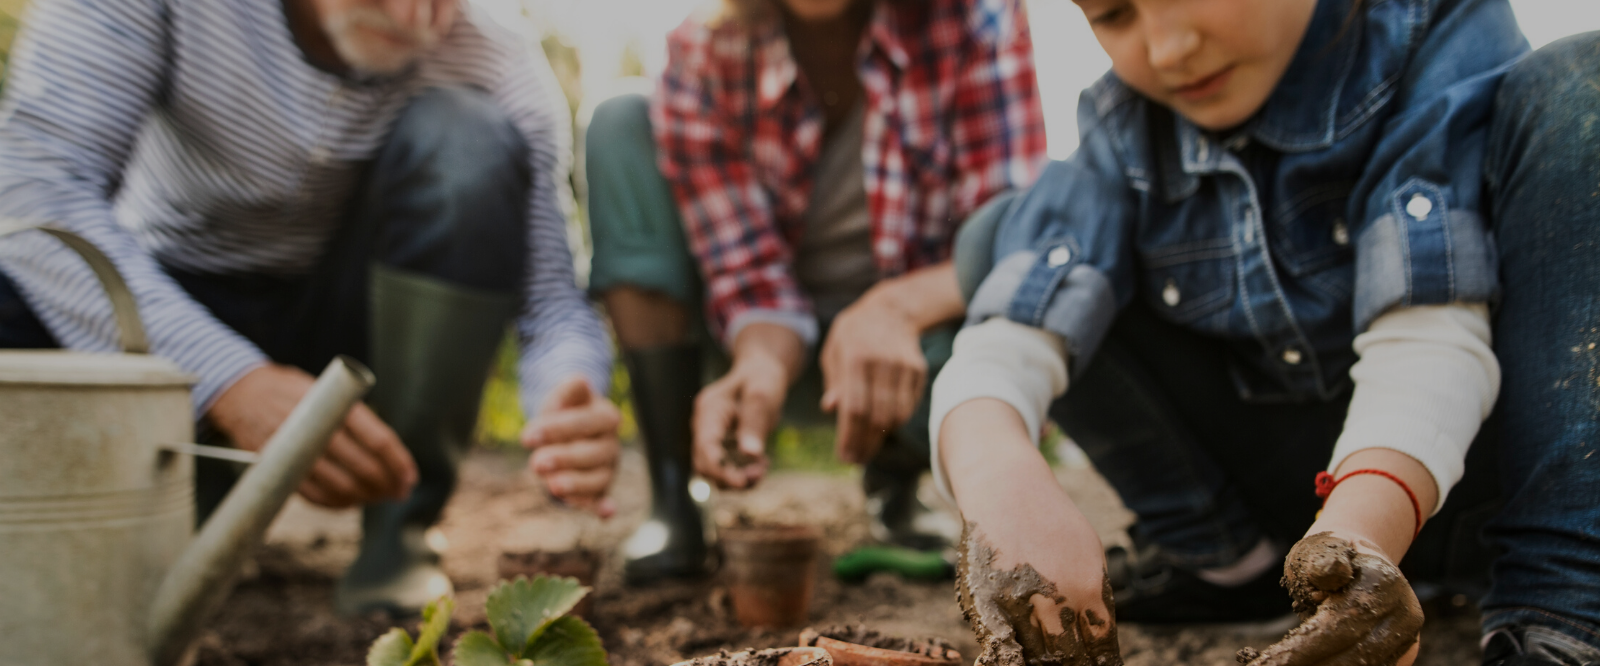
(529, 627)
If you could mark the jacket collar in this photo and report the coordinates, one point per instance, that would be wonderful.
(1300, 114)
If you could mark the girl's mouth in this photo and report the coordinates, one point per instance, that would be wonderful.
(1202, 88)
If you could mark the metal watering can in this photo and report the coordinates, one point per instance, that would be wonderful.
(99, 564)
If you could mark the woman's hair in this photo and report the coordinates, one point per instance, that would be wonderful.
(746, 11)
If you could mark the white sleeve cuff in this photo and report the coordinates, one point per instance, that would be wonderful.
(1426, 380)
(1019, 365)
(803, 324)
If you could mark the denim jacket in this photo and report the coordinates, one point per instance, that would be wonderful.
(1355, 189)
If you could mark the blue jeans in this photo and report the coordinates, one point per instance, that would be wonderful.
(446, 197)
(1543, 175)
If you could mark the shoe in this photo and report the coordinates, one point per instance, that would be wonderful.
(896, 515)
(672, 542)
(1148, 589)
(432, 346)
(1536, 646)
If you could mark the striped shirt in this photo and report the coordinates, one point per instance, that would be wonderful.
(194, 134)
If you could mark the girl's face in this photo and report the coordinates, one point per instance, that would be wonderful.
(1214, 61)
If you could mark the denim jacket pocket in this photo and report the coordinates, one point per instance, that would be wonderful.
(1187, 282)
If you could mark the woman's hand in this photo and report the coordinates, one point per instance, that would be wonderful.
(1030, 575)
(575, 447)
(873, 370)
(1356, 609)
(365, 461)
(874, 374)
(733, 415)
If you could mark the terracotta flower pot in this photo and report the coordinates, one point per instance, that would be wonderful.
(771, 572)
(795, 656)
(580, 563)
(859, 646)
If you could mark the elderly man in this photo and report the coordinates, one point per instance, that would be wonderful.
(281, 181)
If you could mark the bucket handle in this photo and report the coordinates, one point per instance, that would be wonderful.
(123, 306)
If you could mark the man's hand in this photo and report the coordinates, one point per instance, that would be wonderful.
(1030, 576)
(1356, 607)
(873, 374)
(365, 461)
(733, 415)
(575, 448)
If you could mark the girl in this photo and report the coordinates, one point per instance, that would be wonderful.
(1269, 257)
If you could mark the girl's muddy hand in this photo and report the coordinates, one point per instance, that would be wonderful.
(1021, 620)
(1356, 609)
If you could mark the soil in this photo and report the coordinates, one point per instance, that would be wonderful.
(281, 612)
(860, 634)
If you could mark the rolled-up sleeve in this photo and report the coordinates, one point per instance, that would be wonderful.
(1062, 256)
(1423, 239)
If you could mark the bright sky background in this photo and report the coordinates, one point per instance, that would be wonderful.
(1066, 55)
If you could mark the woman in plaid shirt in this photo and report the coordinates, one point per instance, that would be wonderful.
(798, 178)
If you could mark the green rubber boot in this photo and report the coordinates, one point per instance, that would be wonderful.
(671, 543)
(432, 346)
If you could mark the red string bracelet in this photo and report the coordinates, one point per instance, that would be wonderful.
(1326, 484)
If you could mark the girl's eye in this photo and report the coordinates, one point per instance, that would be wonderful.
(1112, 17)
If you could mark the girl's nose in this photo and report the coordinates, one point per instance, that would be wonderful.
(1171, 42)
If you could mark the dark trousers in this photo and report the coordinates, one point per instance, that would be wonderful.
(1209, 473)
(446, 197)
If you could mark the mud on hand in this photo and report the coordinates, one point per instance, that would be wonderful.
(998, 606)
(1355, 609)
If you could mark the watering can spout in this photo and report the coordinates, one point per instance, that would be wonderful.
(199, 581)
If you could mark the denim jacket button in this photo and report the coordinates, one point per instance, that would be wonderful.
(1341, 233)
(1170, 294)
(1291, 356)
(1419, 206)
(1058, 257)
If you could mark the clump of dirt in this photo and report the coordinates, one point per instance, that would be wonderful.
(747, 657)
(1000, 607)
(1349, 602)
(859, 634)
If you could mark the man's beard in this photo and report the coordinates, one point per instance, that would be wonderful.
(362, 37)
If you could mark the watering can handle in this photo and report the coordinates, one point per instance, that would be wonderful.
(123, 306)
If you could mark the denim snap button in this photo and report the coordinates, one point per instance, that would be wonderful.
(1058, 257)
(1170, 294)
(1291, 356)
(1419, 206)
(1341, 233)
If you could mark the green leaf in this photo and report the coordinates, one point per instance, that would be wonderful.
(568, 641)
(520, 610)
(391, 649)
(479, 649)
(435, 621)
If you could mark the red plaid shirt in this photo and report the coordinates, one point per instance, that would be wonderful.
(952, 117)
